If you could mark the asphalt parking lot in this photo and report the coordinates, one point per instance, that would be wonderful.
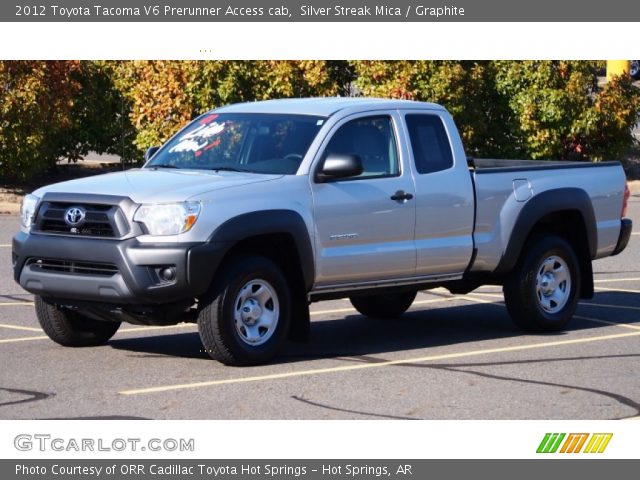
(449, 357)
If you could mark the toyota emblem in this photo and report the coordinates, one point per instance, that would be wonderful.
(74, 216)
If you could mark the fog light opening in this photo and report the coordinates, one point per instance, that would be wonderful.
(168, 274)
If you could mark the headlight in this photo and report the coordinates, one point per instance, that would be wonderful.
(27, 210)
(168, 218)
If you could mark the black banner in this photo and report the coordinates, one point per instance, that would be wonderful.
(319, 11)
(317, 469)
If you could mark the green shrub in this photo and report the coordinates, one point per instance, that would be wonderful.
(518, 109)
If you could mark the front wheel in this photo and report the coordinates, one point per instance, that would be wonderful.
(541, 293)
(635, 69)
(389, 305)
(71, 329)
(246, 316)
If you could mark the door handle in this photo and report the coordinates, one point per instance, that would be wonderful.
(401, 195)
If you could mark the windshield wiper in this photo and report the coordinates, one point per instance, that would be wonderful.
(163, 165)
(227, 169)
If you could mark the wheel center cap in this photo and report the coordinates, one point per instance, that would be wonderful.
(548, 284)
(251, 311)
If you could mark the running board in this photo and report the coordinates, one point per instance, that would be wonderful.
(326, 292)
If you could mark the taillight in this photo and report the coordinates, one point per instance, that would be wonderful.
(625, 201)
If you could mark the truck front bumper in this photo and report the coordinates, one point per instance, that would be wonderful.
(113, 271)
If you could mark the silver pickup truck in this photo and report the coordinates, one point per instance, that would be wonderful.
(252, 211)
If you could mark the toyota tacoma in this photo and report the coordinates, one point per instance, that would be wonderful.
(253, 211)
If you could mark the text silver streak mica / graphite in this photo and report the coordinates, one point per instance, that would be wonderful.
(254, 210)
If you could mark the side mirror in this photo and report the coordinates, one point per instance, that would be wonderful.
(150, 153)
(339, 166)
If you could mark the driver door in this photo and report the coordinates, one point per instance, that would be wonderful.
(362, 233)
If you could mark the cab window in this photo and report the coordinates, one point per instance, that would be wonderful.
(373, 140)
(429, 143)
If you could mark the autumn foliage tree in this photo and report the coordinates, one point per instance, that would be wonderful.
(52, 110)
(460, 86)
(521, 109)
(36, 100)
(164, 95)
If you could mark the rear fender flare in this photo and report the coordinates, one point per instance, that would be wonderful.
(538, 207)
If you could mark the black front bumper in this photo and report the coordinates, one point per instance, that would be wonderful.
(625, 235)
(133, 280)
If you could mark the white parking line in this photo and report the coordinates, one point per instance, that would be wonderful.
(605, 305)
(482, 300)
(624, 290)
(580, 317)
(487, 294)
(351, 309)
(124, 330)
(612, 280)
(18, 327)
(337, 310)
(586, 304)
(469, 297)
(605, 322)
(191, 325)
(149, 328)
(361, 366)
(23, 339)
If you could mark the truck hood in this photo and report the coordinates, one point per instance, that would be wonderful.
(156, 186)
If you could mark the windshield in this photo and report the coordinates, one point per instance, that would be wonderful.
(247, 142)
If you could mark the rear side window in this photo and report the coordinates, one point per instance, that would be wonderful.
(429, 142)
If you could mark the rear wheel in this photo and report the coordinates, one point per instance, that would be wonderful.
(541, 293)
(245, 318)
(635, 69)
(383, 306)
(71, 329)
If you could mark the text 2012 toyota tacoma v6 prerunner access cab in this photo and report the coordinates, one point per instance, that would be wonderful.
(254, 210)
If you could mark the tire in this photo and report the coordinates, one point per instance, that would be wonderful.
(541, 292)
(635, 69)
(71, 329)
(245, 318)
(383, 306)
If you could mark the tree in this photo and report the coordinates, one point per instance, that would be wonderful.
(559, 110)
(36, 100)
(525, 109)
(164, 95)
(52, 110)
(464, 88)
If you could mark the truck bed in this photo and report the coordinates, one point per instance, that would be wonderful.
(504, 187)
(490, 165)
